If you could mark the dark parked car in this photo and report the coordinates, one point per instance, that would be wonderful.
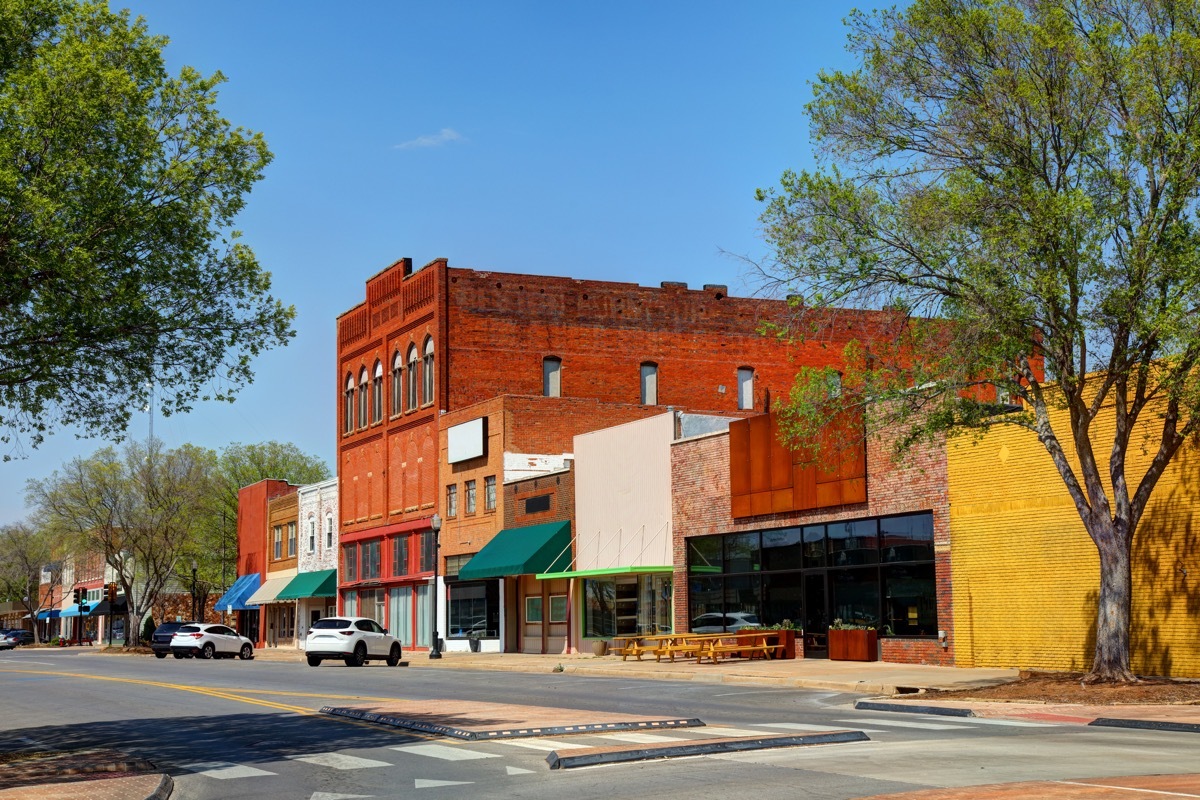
(160, 641)
(14, 638)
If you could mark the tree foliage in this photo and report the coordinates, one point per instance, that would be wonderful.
(29, 556)
(1016, 182)
(119, 185)
(140, 508)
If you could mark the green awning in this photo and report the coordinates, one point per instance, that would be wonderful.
(601, 573)
(322, 583)
(522, 551)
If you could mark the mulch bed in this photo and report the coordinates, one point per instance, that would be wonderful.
(1068, 687)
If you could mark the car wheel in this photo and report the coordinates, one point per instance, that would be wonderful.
(208, 651)
(360, 656)
(394, 656)
(179, 655)
(160, 655)
(313, 661)
(247, 653)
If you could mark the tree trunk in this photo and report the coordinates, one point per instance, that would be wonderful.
(1111, 662)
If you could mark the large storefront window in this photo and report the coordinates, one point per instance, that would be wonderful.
(474, 609)
(877, 572)
(626, 605)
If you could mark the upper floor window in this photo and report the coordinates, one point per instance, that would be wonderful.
(400, 555)
(551, 376)
(427, 371)
(469, 500)
(428, 551)
(833, 384)
(745, 387)
(348, 405)
(291, 539)
(397, 383)
(370, 560)
(277, 536)
(489, 493)
(329, 530)
(377, 394)
(452, 500)
(362, 398)
(350, 562)
(312, 534)
(649, 394)
(412, 377)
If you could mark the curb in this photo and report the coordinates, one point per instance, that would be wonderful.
(941, 711)
(165, 786)
(506, 733)
(1145, 724)
(572, 759)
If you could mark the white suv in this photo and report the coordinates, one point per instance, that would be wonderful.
(355, 640)
(206, 640)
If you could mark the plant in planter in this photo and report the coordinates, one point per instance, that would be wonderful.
(852, 642)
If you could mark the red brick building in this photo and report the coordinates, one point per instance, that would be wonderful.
(436, 340)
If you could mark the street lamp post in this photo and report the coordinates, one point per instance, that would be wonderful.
(435, 524)
(193, 588)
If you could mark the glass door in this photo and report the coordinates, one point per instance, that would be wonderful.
(816, 616)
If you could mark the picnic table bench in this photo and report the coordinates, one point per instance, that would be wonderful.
(637, 645)
(745, 645)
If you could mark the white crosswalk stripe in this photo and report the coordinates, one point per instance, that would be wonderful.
(541, 744)
(1013, 723)
(340, 761)
(903, 723)
(642, 738)
(798, 726)
(225, 770)
(444, 752)
(716, 730)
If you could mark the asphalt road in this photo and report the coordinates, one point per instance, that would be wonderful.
(231, 729)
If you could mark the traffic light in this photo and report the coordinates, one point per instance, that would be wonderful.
(84, 605)
(110, 593)
(75, 595)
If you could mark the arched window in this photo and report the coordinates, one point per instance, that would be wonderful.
(362, 398)
(377, 394)
(427, 371)
(649, 393)
(412, 377)
(551, 376)
(745, 388)
(397, 383)
(348, 405)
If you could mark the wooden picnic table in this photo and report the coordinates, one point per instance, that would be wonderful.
(638, 644)
(700, 646)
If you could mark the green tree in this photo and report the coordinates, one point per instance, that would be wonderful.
(238, 465)
(119, 185)
(1017, 182)
(30, 566)
(141, 508)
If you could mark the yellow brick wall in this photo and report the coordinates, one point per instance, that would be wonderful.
(1025, 573)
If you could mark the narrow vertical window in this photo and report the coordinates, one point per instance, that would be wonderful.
(312, 535)
(348, 404)
(328, 530)
(377, 394)
(427, 371)
(834, 384)
(362, 398)
(452, 500)
(551, 377)
(397, 383)
(489, 493)
(649, 395)
(278, 542)
(412, 377)
(745, 382)
(291, 539)
(470, 497)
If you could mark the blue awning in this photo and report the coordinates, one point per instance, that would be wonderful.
(53, 613)
(235, 598)
(71, 611)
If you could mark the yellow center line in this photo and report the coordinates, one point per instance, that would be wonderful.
(229, 694)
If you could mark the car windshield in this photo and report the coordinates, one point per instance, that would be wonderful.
(330, 624)
(189, 629)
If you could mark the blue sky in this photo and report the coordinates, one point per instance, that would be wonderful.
(616, 141)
